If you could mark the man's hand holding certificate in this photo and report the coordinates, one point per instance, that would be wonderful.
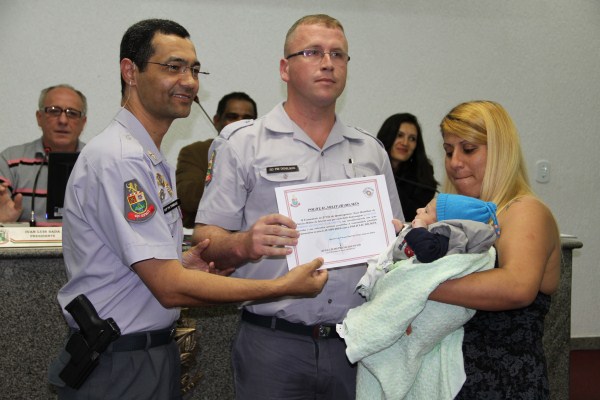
(345, 221)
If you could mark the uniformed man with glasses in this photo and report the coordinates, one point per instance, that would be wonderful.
(62, 116)
(289, 348)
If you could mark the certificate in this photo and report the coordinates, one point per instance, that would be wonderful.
(344, 221)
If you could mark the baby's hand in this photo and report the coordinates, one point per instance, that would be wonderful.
(398, 225)
(418, 223)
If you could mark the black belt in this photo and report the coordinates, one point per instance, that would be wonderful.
(274, 323)
(142, 340)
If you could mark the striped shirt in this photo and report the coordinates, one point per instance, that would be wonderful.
(19, 167)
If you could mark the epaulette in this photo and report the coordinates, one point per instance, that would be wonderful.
(361, 130)
(130, 147)
(234, 127)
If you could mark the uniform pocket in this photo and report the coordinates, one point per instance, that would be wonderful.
(355, 170)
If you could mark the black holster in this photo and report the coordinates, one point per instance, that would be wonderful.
(86, 345)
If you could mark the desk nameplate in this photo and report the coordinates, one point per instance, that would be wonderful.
(11, 236)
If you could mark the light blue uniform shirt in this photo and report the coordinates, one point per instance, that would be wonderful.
(241, 189)
(115, 216)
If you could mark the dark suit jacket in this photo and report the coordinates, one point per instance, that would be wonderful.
(190, 174)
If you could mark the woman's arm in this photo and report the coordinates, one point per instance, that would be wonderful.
(528, 257)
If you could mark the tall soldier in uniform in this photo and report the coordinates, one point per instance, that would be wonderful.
(288, 348)
(122, 233)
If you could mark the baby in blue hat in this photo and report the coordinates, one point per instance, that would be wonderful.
(448, 224)
(456, 206)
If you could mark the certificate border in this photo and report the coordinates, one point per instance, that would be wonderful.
(321, 185)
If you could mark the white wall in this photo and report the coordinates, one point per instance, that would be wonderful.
(539, 58)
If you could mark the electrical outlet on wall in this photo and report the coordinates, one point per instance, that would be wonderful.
(542, 171)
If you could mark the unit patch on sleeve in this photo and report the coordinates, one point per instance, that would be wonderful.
(138, 208)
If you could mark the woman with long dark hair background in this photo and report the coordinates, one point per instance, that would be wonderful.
(401, 137)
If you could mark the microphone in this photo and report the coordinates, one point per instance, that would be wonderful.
(197, 101)
(32, 221)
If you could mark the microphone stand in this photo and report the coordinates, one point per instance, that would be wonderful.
(417, 184)
(197, 101)
(32, 221)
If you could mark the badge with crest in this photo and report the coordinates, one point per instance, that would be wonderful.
(138, 207)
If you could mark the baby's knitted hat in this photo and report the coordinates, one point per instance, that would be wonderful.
(456, 206)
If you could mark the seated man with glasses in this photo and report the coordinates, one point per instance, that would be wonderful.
(61, 115)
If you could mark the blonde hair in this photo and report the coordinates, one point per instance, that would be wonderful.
(315, 19)
(488, 123)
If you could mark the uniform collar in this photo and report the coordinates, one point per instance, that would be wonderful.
(137, 130)
(278, 121)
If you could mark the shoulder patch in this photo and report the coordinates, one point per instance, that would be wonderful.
(138, 208)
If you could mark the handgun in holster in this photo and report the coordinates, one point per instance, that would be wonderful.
(86, 345)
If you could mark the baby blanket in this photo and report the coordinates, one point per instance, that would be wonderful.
(428, 363)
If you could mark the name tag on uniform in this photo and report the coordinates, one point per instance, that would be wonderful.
(282, 168)
(172, 205)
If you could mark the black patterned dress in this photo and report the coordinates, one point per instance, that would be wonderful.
(503, 354)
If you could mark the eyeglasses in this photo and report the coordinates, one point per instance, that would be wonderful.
(336, 56)
(55, 112)
(181, 69)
